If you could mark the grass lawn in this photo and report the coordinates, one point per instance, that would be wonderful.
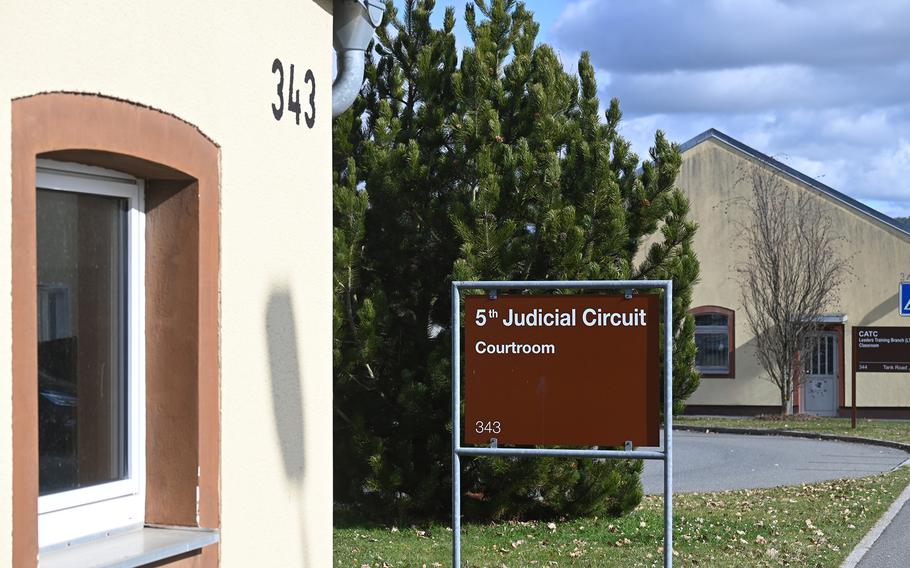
(894, 430)
(808, 526)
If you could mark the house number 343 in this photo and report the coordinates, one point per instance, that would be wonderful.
(309, 116)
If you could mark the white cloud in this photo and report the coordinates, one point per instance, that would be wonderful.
(889, 171)
(761, 87)
(652, 35)
(819, 84)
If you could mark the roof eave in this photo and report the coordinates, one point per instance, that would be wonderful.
(846, 200)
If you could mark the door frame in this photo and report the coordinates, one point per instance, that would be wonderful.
(836, 331)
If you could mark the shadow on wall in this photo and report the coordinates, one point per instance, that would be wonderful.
(326, 5)
(284, 373)
(287, 399)
(747, 364)
(749, 371)
(886, 308)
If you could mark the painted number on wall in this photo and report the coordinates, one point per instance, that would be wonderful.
(309, 116)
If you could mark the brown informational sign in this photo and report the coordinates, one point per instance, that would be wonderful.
(562, 370)
(881, 349)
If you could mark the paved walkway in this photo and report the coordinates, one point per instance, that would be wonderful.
(893, 546)
(718, 462)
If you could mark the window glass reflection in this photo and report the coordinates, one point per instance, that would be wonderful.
(712, 342)
(82, 295)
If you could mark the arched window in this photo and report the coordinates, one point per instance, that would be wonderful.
(714, 339)
(83, 167)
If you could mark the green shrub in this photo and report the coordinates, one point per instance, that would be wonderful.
(494, 165)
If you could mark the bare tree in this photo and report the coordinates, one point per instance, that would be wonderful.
(792, 274)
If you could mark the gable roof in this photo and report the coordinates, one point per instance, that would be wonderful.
(830, 192)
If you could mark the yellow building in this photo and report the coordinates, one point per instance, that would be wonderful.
(877, 249)
(166, 253)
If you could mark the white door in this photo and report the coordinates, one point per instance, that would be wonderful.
(819, 388)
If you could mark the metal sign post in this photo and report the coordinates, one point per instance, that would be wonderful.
(665, 454)
(853, 381)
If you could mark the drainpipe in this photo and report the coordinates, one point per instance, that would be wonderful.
(353, 22)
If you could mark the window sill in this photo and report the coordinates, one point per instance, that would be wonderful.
(134, 547)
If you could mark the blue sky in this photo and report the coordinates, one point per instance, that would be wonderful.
(822, 85)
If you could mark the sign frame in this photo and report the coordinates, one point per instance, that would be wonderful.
(665, 454)
(855, 363)
(594, 379)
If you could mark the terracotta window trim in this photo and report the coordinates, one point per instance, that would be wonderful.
(181, 168)
(731, 340)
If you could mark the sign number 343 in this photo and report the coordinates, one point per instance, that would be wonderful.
(489, 426)
(309, 116)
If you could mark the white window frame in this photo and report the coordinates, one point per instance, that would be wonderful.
(73, 515)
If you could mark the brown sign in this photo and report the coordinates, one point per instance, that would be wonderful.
(881, 349)
(562, 370)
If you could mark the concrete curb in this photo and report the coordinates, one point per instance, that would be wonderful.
(876, 531)
(793, 434)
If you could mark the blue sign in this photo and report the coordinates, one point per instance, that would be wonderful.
(905, 298)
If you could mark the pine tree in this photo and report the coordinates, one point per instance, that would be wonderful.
(497, 166)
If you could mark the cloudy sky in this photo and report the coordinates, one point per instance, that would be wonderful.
(822, 85)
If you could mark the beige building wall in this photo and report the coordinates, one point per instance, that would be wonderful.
(210, 64)
(878, 257)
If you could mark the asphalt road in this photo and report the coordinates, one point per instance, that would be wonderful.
(718, 462)
(891, 549)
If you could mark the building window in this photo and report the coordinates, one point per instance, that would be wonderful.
(89, 229)
(714, 341)
(820, 355)
(179, 267)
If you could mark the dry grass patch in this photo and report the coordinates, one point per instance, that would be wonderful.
(808, 526)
